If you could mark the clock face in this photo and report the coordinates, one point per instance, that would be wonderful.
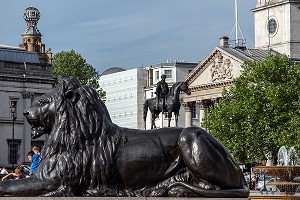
(272, 27)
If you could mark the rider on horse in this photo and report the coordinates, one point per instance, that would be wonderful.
(162, 91)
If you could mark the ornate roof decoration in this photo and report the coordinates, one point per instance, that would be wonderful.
(32, 16)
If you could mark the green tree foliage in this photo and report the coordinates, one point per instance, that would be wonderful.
(71, 63)
(261, 111)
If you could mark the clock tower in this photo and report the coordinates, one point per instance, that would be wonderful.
(277, 26)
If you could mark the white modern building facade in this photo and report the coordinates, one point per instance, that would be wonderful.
(124, 95)
(175, 71)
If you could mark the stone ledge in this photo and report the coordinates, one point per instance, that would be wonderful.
(118, 198)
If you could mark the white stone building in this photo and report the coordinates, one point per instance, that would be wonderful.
(175, 71)
(124, 95)
(277, 26)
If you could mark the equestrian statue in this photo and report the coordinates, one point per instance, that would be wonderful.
(165, 101)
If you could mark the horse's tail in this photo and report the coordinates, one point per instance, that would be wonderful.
(145, 112)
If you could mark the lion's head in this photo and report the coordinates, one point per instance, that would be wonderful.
(68, 95)
(79, 133)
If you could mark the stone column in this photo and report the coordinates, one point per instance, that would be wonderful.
(188, 106)
(26, 143)
(201, 111)
(215, 101)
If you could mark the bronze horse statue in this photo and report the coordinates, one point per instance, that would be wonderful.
(172, 104)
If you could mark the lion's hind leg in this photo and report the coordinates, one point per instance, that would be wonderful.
(209, 161)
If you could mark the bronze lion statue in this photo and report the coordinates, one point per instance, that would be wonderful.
(88, 155)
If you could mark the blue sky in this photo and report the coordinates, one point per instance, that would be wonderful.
(131, 33)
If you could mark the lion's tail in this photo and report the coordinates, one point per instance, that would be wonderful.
(145, 112)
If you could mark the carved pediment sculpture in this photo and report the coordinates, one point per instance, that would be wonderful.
(221, 69)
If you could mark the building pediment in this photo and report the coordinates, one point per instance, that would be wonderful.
(218, 67)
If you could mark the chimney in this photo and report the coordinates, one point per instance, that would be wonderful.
(224, 41)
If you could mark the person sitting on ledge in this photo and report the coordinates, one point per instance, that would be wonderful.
(26, 167)
(17, 174)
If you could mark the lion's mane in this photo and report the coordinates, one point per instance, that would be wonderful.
(76, 152)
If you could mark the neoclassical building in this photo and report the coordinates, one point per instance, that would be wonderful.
(277, 27)
(25, 74)
(213, 74)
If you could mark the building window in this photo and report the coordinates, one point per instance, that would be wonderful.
(157, 75)
(168, 73)
(13, 151)
(194, 115)
(272, 27)
(150, 77)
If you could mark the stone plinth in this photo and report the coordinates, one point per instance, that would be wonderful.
(117, 198)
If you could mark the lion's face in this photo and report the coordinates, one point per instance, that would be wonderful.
(41, 115)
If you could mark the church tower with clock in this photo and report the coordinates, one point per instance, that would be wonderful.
(277, 26)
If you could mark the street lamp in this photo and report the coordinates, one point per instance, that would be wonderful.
(13, 108)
